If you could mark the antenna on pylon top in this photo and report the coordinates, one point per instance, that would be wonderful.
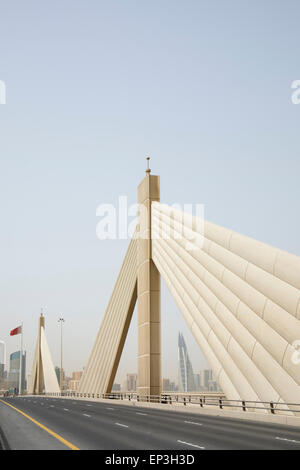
(148, 171)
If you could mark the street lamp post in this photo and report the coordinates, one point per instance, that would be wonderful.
(61, 321)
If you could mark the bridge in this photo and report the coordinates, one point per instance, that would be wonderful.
(240, 299)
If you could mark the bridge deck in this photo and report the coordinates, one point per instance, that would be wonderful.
(94, 425)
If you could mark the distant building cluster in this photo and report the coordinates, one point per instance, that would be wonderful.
(188, 381)
(10, 374)
(9, 377)
(128, 386)
(69, 384)
(168, 386)
(74, 381)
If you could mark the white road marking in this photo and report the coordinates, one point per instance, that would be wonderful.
(189, 444)
(89, 405)
(143, 414)
(86, 415)
(110, 408)
(51, 406)
(123, 425)
(192, 422)
(66, 409)
(288, 440)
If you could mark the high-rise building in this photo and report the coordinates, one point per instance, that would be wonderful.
(65, 380)
(205, 377)
(208, 381)
(197, 382)
(76, 375)
(14, 371)
(130, 383)
(165, 385)
(2, 359)
(74, 382)
(168, 386)
(116, 387)
(57, 372)
(185, 370)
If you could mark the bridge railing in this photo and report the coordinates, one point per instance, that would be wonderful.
(200, 400)
(215, 401)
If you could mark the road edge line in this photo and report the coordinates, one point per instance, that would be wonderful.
(49, 431)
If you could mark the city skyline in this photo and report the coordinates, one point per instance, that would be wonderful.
(122, 371)
(71, 380)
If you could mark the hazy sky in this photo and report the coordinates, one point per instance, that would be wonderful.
(202, 86)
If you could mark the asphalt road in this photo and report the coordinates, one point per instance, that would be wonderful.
(92, 425)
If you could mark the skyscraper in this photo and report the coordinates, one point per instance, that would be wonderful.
(186, 381)
(130, 384)
(14, 370)
(2, 359)
(208, 381)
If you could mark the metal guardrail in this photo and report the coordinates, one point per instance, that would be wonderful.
(201, 400)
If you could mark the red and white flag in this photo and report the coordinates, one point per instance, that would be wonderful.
(16, 331)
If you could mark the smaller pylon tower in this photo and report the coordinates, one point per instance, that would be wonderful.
(43, 375)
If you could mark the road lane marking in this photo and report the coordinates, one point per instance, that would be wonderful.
(89, 405)
(192, 422)
(288, 440)
(143, 414)
(86, 415)
(49, 431)
(66, 409)
(110, 408)
(51, 406)
(189, 444)
(123, 425)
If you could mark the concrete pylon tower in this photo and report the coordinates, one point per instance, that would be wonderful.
(148, 292)
(240, 299)
(43, 373)
(138, 280)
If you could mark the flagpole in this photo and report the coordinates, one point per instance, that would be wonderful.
(21, 360)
